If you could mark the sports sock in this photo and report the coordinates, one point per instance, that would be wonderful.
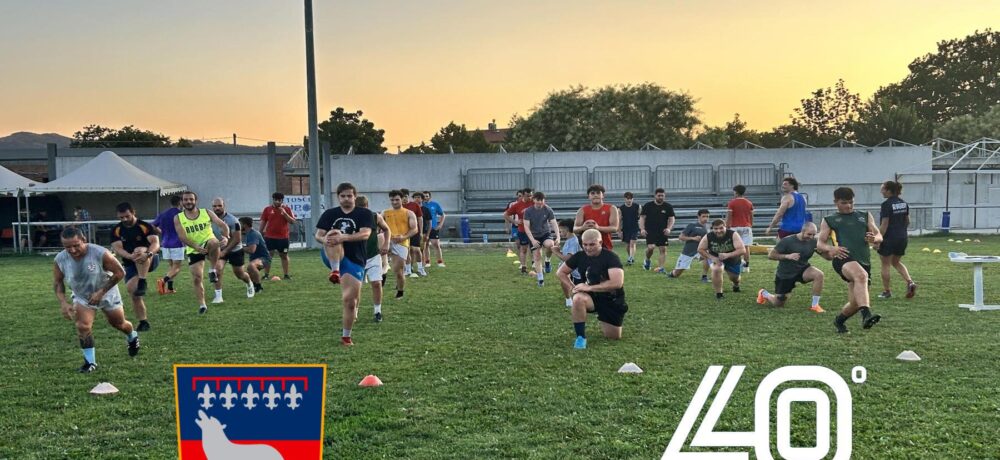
(840, 319)
(218, 293)
(170, 282)
(131, 335)
(581, 329)
(541, 276)
(347, 333)
(420, 266)
(89, 354)
(569, 302)
(815, 300)
(335, 266)
(865, 312)
(211, 270)
(378, 308)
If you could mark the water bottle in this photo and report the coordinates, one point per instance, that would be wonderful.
(486, 238)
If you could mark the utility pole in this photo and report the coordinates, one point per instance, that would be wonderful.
(314, 153)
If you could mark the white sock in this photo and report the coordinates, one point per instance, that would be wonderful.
(541, 276)
(569, 302)
(420, 266)
(211, 270)
(218, 293)
(815, 300)
(347, 333)
(378, 308)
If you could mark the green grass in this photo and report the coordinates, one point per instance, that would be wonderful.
(478, 363)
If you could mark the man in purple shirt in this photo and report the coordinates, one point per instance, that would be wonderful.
(170, 245)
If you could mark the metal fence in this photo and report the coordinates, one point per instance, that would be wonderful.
(685, 179)
(494, 182)
(620, 179)
(560, 181)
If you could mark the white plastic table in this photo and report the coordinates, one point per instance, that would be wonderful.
(977, 279)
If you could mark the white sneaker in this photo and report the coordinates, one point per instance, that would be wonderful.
(217, 299)
(441, 265)
(250, 291)
(414, 275)
(423, 273)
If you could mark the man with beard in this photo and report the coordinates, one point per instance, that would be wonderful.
(231, 252)
(137, 243)
(724, 250)
(656, 220)
(194, 229)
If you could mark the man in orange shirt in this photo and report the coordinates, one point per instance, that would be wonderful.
(274, 222)
(515, 215)
(739, 218)
(416, 255)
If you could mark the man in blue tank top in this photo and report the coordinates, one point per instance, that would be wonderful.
(791, 212)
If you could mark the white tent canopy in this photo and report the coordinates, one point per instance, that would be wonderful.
(11, 182)
(108, 172)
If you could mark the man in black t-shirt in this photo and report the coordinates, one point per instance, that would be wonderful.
(656, 220)
(629, 220)
(138, 244)
(343, 231)
(601, 291)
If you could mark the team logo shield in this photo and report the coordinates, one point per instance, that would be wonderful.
(244, 412)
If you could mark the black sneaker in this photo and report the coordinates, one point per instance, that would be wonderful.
(524, 270)
(288, 277)
(378, 317)
(719, 296)
(258, 288)
(704, 279)
(202, 309)
(399, 294)
(213, 277)
(140, 288)
(143, 326)
(841, 327)
(870, 321)
(133, 346)
(541, 283)
(548, 267)
(736, 288)
(885, 295)
(87, 367)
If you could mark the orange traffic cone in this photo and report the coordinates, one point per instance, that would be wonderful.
(371, 380)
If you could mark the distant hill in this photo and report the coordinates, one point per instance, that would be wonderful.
(26, 140)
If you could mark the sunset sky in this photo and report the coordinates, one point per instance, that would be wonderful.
(207, 69)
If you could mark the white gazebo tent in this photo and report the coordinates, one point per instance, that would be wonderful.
(108, 172)
(11, 184)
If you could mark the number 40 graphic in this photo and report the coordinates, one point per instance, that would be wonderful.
(760, 438)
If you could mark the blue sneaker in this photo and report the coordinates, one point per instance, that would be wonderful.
(647, 264)
(548, 267)
(581, 343)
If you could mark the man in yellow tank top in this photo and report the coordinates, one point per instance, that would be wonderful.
(402, 225)
(194, 229)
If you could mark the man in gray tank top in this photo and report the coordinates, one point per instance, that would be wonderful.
(92, 273)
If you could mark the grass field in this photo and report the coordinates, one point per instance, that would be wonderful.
(478, 363)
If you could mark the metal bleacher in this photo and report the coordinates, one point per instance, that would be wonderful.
(487, 191)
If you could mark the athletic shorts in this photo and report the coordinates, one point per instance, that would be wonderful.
(132, 271)
(347, 267)
(893, 247)
(522, 238)
(609, 308)
(276, 244)
(235, 258)
(631, 234)
(657, 239)
(684, 262)
(373, 269)
(172, 253)
(433, 235)
(838, 266)
(734, 266)
(195, 258)
(784, 286)
(415, 241)
(784, 233)
(111, 301)
(746, 234)
(399, 250)
(541, 239)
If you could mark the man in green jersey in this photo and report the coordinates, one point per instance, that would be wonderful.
(377, 246)
(194, 229)
(851, 255)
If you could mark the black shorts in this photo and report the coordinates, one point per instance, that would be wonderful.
(630, 235)
(657, 238)
(235, 258)
(195, 258)
(131, 271)
(433, 235)
(893, 247)
(609, 308)
(541, 239)
(784, 286)
(415, 241)
(276, 244)
(838, 266)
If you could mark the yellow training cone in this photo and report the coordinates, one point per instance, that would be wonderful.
(926, 249)
(950, 240)
(967, 240)
(936, 251)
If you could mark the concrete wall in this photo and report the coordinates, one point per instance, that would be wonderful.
(820, 170)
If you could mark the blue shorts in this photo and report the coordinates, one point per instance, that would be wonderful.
(131, 271)
(522, 238)
(347, 267)
(734, 268)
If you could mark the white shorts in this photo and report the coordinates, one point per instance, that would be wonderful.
(399, 250)
(373, 269)
(746, 234)
(684, 262)
(111, 301)
(172, 253)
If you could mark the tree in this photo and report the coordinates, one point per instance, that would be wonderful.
(825, 117)
(96, 136)
(962, 78)
(737, 133)
(881, 119)
(715, 137)
(422, 148)
(618, 117)
(782, 135)
(969, 128)
(348, 129)
(459, 139)
(184, 143)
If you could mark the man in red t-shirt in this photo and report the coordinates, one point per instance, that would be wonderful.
(415, 253)
(515, 215)
(598, 215)
(274, 222)
(739, 218)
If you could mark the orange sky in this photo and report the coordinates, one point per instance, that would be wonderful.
(209, 69)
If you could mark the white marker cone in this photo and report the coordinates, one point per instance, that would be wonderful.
(908, 355)
(630, 368)
(104, 388)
